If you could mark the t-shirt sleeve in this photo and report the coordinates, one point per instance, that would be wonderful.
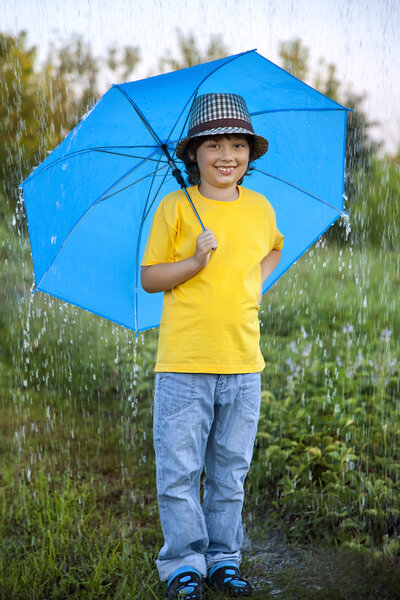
(278, 243)
(160, 247)
(275, 234)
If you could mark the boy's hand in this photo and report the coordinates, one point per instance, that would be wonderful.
(162, 277)
(204, 244)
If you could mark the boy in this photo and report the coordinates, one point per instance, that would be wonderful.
(207, 394)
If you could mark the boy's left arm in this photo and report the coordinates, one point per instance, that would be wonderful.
(268, 264)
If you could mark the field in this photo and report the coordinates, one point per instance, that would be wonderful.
(78, 514)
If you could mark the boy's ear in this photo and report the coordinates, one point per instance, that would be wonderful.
(192, 156)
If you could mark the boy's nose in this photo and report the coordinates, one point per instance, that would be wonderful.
(226, 154)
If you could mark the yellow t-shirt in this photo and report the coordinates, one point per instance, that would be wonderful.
(209, 323)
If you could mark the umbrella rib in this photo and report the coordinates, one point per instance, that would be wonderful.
(300, 190)
(102, 197)
(129, 155)
(131, 184)
(145, 213)
(87, 150)
(275, 110)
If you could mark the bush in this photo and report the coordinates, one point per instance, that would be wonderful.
(374, 207)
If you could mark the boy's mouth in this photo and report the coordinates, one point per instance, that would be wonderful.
(225, 170)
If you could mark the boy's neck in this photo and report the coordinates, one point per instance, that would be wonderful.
(221, 194)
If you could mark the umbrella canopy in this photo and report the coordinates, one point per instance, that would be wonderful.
(90, 203)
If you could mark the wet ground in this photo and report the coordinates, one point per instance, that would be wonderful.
(269, 555)
(280, 570)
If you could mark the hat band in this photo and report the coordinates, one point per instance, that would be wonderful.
(220, 123)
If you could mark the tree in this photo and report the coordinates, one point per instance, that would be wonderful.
(123, 61)
(294, 58)
(19, 127)
(40, 104)
(360, 148)
(327, 82)
(69, 80)
(190, 54)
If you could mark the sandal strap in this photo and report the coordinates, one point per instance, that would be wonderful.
(185, 582)
(225, 576)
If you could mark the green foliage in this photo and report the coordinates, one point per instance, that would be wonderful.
(326, 462)
(375, 210)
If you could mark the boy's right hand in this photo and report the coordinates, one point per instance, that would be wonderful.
(204, 244)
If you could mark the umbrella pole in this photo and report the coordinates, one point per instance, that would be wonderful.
(179, 178)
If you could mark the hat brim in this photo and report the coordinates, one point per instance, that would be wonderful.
(260, 145)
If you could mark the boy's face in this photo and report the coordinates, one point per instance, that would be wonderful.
(223, 161)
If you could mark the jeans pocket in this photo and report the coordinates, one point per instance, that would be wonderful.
(175, 392)
(250, 390)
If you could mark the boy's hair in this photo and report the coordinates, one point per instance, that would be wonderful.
(191, 166)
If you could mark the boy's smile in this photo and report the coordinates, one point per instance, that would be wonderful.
(222, 162)
(226, 170)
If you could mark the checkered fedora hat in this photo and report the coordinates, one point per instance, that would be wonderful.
(219, 114)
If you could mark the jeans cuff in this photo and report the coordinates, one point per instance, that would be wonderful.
(167, 567)
(212, 559)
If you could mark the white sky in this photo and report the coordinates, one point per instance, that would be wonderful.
(361, 37)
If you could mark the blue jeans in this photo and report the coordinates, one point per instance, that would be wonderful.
(210, 421)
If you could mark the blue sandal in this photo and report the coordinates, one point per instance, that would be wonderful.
(186, 582)
(225, 577)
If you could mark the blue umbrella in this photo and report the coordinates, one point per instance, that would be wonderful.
(90, 203)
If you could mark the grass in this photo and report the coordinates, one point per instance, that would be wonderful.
(65, 537)
(78, 514)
